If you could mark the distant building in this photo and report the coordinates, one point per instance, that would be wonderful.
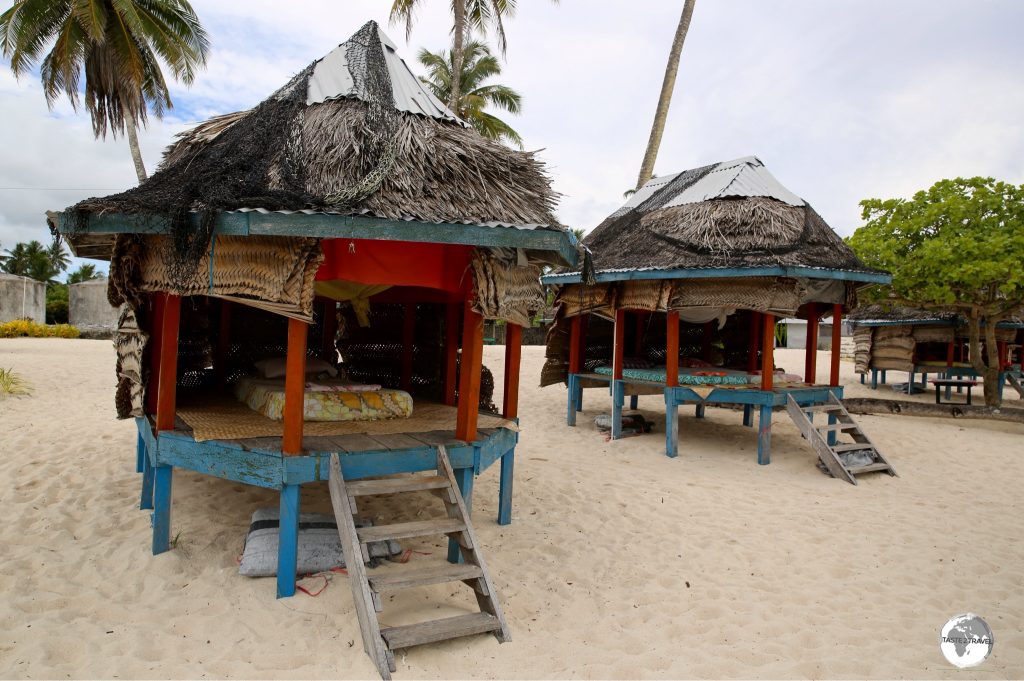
(88, 305)
(22, 298)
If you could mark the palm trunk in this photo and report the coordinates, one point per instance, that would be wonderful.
(133, 144)
(458, 45)
(667, 86)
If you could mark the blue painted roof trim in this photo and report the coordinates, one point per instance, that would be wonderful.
(330, 226)
(957, 323)
(725, 272)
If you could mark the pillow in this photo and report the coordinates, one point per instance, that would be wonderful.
(275, 367)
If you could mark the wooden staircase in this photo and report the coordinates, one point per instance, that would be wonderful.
(381, 642)
(818, 436)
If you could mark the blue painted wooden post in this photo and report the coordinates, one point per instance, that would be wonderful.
(288, 541)
(464, 478)
(146, 499)
(163, 476)
(634, 401)
(140, 454)
(832, 420)
(862, 379)
(1002, 382)
(570, 414)
(764, 435)
(910, 385)
(884, 376)
(699, 411)
(748, 415)
(874, 379)
(618, 398)
(671, 425)
(508, 462)
(579, 396)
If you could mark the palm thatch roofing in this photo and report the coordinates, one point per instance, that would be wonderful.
(354, 133)
(720, 216)
(901, 315)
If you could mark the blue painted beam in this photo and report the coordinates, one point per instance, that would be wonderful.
(332, 226)
(288, 541)
(508, 462)
(723, 273)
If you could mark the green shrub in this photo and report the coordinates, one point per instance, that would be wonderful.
(20, 328)
(13, 384)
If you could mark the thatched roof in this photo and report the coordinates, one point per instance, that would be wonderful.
(725, 215)
(353, 133)
(894, 315)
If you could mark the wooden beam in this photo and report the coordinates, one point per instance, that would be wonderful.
(469, 374)
(575, 329)
(837, 343)
(513, 357)
(156, 305)
(811, 353)
(408, 340)
(294, 387)
(767, 351)
(754, 341)
(672, 349)
(620, 339)
(451, 351)
(168, 374)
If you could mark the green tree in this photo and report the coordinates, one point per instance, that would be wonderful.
(57, 305)
(481, 15)
(34, 260)
(476, 96)
(668, 85)
(956, 247)
(85, 272)
(118, 44)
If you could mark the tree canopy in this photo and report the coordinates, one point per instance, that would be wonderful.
(34, 260)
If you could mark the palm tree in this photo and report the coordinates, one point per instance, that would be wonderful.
(85, 272)
(477, 14)
(667, 86)
(57, 256)
(478, 66)
(118, 44)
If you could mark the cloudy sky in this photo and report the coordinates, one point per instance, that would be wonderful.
(842, 100)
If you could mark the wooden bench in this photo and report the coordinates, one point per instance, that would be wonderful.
(949, 384)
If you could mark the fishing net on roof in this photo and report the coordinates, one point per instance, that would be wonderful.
(260, 160)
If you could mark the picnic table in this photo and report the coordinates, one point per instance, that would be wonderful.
(949, 384)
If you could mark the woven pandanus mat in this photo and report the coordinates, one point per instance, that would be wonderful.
(227, 419)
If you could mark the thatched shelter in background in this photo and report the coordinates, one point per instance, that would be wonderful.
(916, 341)
(725, 249)
(353, 209)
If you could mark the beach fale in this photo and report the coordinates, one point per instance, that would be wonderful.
(899, 338)
(687, 281)
(349, 211)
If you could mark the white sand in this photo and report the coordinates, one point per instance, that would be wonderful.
(619, 563)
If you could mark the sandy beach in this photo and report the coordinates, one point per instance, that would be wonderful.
(619, 562)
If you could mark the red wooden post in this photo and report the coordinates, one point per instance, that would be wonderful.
(513, 356)
(754, 341)
(617, 348)
(837, 343)
(705, 341)
(672, 349)
(408, 338)
(220, 362)
(168, 374)
(811, 353)
(575, 329)
(294, 387)
(949, 354)
(767, 351)
(469, 374)
(1004, 356)
(329, 350)
(157, 304)
(451, 351)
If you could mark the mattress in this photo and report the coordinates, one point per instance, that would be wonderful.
(325, 401)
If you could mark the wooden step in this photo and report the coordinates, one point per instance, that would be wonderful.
(405, 578)
(410, 483)
(821, 407)
(417, 528)
(837, 427)
(439, 630)
(870, 468)
(852, 447)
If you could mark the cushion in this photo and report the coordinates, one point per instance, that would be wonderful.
(275, 367)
